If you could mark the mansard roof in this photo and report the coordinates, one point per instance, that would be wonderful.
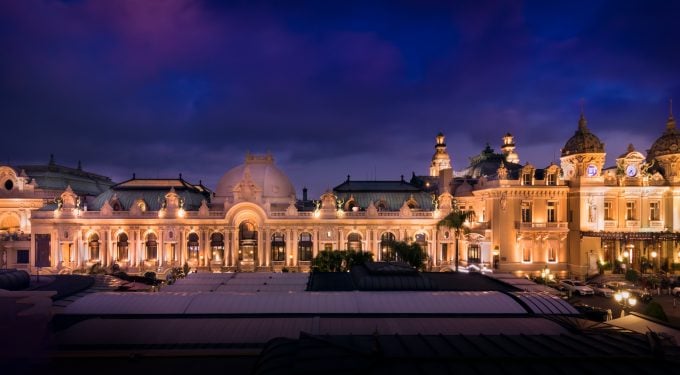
(57, 177)
(376, 186)
(152, 192)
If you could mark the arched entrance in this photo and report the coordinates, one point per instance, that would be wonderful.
(247, 242)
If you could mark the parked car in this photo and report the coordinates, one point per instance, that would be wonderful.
(618, 285)
(597, 314)
(576, 286)
(601, 289)
(641, 294)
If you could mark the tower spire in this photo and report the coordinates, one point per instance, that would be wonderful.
(670, 124)
(582, 122)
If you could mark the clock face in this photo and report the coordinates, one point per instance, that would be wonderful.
(631, 171)
(591, 170)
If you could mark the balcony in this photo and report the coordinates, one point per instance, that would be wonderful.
(656, 224)
(632, 223)
(541, 226)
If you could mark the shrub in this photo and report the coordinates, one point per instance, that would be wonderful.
(632, 276)
(339, 260)
(655, 310)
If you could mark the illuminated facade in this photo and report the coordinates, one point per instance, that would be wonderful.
(567, 217)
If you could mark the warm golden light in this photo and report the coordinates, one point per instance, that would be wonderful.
(654, 254)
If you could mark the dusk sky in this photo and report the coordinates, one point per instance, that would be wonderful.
(160, 88)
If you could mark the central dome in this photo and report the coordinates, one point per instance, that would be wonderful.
(261, 171)
(583, 141)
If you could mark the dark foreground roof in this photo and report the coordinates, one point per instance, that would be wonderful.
(384, 276)
(571, 353)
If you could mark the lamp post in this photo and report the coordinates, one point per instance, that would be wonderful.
(654, 255)
(626, 301)
(546, 275)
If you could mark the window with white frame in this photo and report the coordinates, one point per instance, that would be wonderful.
(630, 210)
(552, 179)
(526, 212)
(654, 212)
(552, 212)
(608, 211)
(526, 178)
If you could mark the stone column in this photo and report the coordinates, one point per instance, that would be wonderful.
(267, 251)
(294, 244)
(315, 244)
(161, 248)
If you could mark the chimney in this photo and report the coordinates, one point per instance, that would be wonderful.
(304, 194)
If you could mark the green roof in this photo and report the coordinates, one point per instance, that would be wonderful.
(58, 177)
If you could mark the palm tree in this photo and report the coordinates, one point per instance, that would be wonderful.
(456, 221)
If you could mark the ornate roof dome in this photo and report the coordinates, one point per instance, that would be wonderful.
(261, 175)
(668, 143)
(583, 141)
(487, 164)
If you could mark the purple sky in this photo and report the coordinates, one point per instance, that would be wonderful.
(330, 88)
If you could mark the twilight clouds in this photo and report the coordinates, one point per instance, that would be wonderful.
(329, 87)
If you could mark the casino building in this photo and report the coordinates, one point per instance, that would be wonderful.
(570, 218)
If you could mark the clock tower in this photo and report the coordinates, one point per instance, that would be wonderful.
(583, 155)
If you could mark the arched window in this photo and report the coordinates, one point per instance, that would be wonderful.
(305, 247)
(122, 246)
(421, 240)
(93, 246)
(354, 242)
(381, 205)
(217, 246)
(278, 247)
(192, 245)
(387, 247)
(474, 253)
(151, 246)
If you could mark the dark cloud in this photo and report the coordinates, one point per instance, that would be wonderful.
(331, 88)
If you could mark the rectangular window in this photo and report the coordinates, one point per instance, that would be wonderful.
(526, 255)
(22, 256)
(608, 214)
(552, 255)
(630, 211)
(526, 212)
(445, 251)
(526, 179)
(552, 179)
(552, 212)
(654, 213)
(328, 246)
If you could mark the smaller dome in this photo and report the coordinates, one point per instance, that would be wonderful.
(583, 141)
(668, 143)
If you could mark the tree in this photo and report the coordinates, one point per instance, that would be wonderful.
(412, 254)
(456, 221)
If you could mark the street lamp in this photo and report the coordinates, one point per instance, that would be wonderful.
(626, 301)
(546, 275)
(654, 254)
